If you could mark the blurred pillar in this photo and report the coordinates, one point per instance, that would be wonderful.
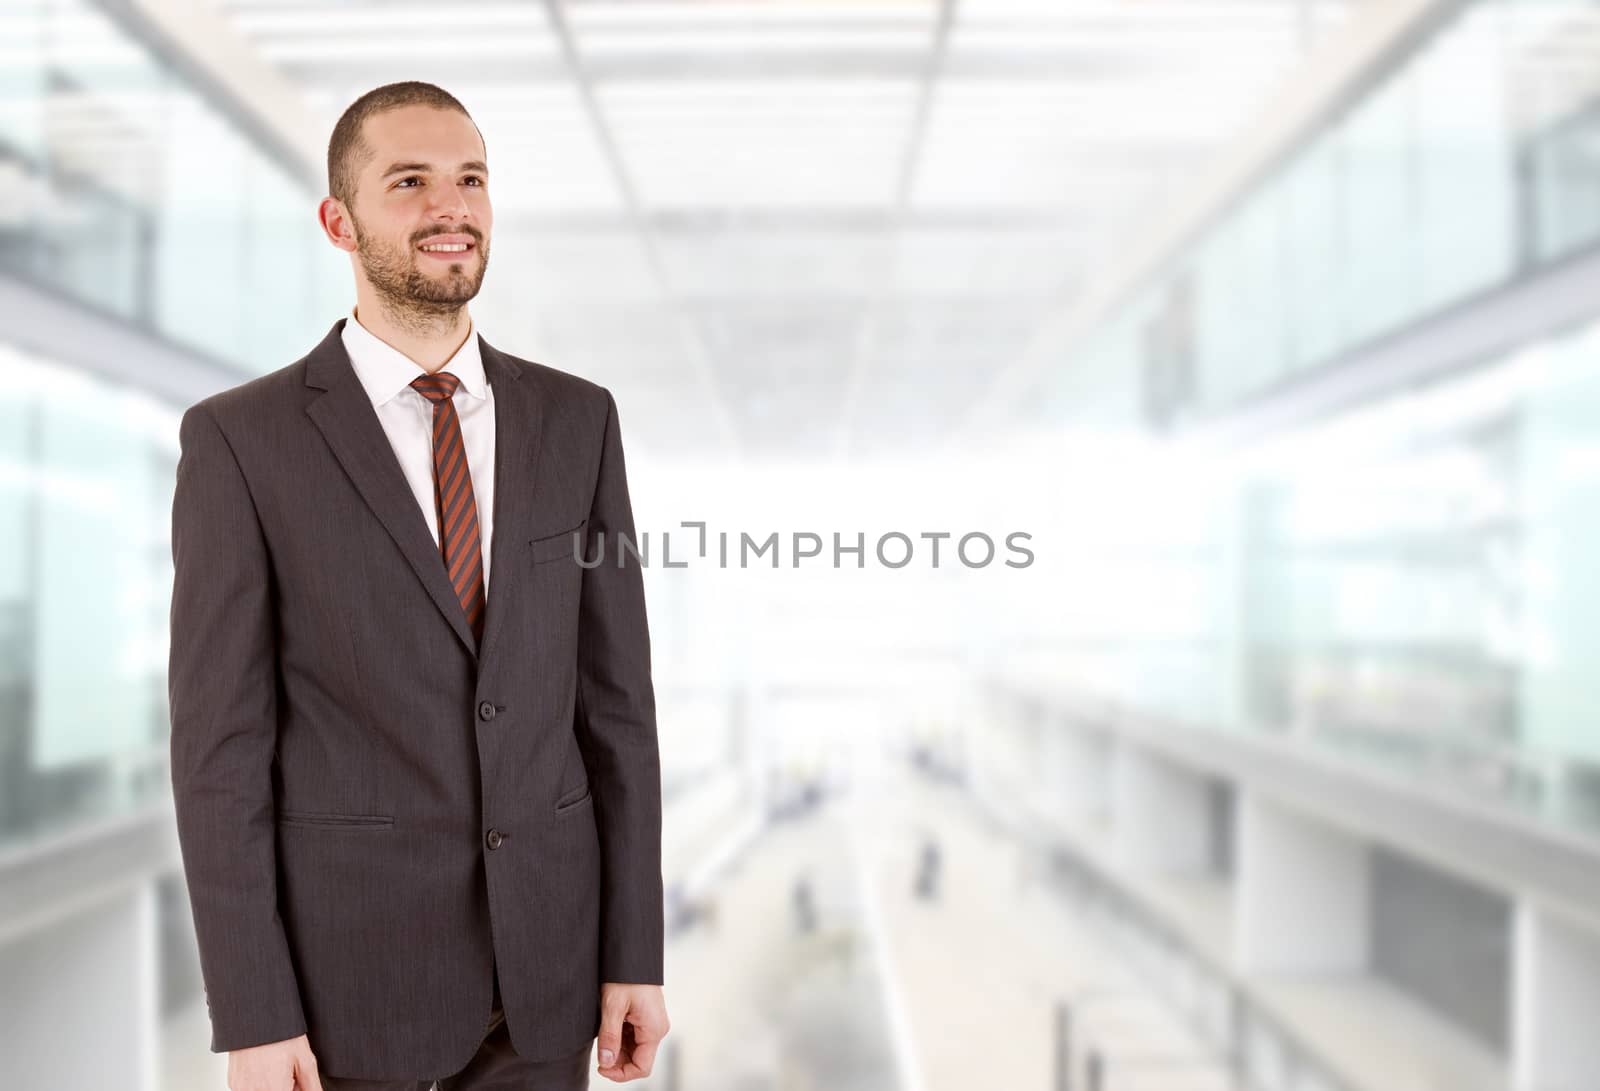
(80, 1003)
(1302, 892)
(1160, 814)
(1555, 1003)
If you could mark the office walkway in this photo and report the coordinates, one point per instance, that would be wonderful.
(984, 966)
(817, 967)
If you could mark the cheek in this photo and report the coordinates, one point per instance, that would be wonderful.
(393, 252)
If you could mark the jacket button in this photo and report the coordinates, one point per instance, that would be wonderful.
(485, 710)
(493, 839)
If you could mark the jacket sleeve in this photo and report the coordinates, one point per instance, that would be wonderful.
(616, 726)
(222, 695)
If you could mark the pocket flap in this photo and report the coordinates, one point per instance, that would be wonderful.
(552, 547)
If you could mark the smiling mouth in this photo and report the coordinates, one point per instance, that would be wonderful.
(453, 252)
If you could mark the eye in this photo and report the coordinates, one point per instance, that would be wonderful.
(408, 178)
(475, 178)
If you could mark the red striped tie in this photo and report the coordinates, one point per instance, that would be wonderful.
(452, 495)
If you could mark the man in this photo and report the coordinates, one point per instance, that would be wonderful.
(414, 752)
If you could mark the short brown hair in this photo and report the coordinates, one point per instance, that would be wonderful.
(347, 151)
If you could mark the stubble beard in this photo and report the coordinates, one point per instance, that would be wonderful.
(409, 294)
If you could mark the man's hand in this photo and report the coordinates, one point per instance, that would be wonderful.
(633, 1020)
(288, 1065)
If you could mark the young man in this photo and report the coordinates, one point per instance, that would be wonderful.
(414, 753)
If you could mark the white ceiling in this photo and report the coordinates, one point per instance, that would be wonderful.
(805, 229)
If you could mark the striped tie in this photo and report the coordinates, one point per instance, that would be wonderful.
(453, 498)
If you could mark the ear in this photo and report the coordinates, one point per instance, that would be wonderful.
(336, 223)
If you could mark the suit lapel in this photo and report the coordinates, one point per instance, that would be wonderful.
(352, 430)
(518, 432)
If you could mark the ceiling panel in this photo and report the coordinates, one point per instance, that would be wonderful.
(807, 228)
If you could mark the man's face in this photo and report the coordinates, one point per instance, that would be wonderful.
(425, 184)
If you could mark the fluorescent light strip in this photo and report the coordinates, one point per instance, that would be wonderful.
(1147, 11)
(323, 19)
(621, 13)
(652, 92)
(741, 40)
(734, 111)
(1123, 43)
(531, 46)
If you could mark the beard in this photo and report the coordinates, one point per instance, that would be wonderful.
(397, 275)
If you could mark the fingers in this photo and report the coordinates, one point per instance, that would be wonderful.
(621, 1073)
(612, 1014)
(644, 1055)
(307, 1078)
(274, 1066)
(636, 1058)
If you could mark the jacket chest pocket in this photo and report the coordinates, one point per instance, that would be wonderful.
(553, 547)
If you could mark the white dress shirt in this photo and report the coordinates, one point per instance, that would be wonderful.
(407, 417)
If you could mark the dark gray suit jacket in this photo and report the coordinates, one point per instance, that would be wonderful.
(342, 753)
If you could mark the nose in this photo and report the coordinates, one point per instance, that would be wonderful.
(449, 204)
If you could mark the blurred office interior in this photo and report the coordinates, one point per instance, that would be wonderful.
(1271, 326)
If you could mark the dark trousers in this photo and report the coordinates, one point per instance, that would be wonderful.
(495, 1067)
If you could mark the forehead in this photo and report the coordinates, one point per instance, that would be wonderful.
(421, 133)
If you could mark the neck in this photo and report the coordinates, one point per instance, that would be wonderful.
(428, 335)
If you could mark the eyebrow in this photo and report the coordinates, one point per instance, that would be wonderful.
(399, 168)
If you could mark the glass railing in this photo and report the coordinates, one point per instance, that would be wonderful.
(1409, 585)
(86, 473)
(126, 190)
(1466, 166)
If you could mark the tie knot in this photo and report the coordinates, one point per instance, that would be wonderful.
(438, 387)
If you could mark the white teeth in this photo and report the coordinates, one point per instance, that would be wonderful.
(447, 246)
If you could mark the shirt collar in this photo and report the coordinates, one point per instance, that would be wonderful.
(385, 371)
